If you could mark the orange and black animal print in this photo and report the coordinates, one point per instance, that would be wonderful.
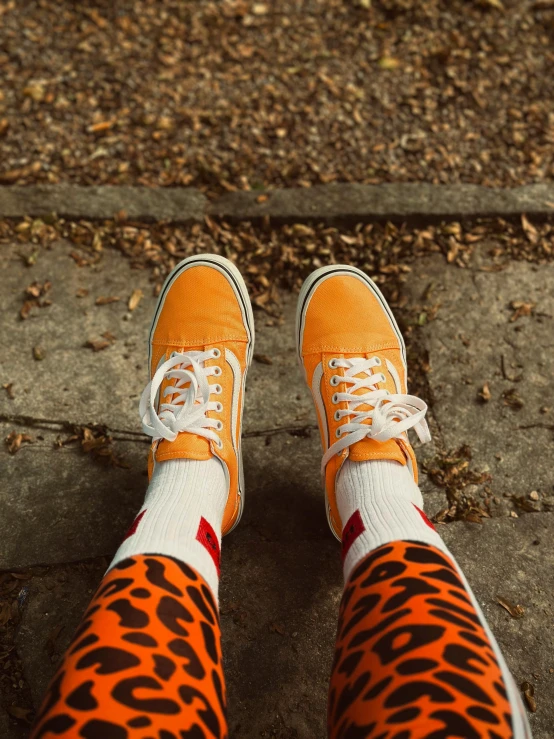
(413, 660)
(145, 662)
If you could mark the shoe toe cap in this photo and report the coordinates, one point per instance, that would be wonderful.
(200, 307)
(344, 315)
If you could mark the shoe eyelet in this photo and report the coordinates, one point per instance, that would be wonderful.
(333, 363)
(217, 371)
(334, 380)
(338, 432)
(217, 389)
(219, 444)
(216, 353)
(219, 426)
(219, 407)
(337, 416)
(335, 398)
(377, 361)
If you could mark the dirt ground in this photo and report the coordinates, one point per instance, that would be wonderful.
(242, 94)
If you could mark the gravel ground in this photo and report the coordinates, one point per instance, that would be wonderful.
(240, 95)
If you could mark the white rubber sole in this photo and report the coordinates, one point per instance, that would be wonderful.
(228, 269)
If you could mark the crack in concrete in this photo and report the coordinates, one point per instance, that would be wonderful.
(138, 436)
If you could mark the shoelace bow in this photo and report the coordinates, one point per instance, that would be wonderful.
(390, 415)
(190, 398)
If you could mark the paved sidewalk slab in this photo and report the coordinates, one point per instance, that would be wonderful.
(75, 384)
(60, 505)
(514, 559)
(477, 339)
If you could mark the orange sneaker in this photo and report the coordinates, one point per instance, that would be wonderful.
(201, 345)
(354, 361)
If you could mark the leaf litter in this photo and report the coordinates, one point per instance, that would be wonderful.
(272, 258)
(95, 440)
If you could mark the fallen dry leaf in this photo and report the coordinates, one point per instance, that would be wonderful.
(473, 517)
(97, 345)
(529, 693)
(23, 714)
(106, 300)
(37, 290)
(530, 231)
(79, 259)
(12, 175)
(498, 4)
(521, 308)
(389, 62)
(263, 359)
(82, 292)
(485, 393)
(26, 309)
(34, 292)
(134, 300)
(512, 399)
(101, 127)
(90, 442)
(38, 353)
(5, 613)
(97, 441)
(8, 387)
(14, 441)
(515, 611)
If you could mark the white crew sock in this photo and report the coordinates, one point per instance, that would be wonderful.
(181, 516)
(379, 502)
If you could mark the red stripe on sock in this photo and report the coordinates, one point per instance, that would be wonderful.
(424, 517)
(207, 537)
(134, 525)
(354, 527)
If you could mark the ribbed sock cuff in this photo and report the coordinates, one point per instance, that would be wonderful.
(182, 517)
(379, 502)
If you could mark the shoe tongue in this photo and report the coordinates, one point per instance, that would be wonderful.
(185, 446)
(365, 375)
(368, 449)
(387, 385)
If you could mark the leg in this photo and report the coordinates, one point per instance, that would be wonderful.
(414, 656)
(146, 660)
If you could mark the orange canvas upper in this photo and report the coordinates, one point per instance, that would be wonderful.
(344, 318)
(201, 311)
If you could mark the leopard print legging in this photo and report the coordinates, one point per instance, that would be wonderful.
(413, 658)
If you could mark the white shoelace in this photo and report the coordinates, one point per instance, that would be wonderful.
(190, 398)
(390, 415)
